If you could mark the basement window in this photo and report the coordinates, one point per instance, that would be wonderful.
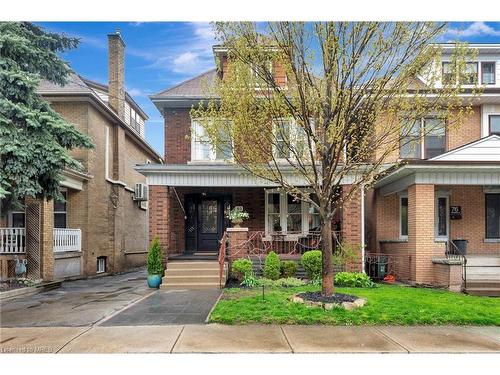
(101, 264)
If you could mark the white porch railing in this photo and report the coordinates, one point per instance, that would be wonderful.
(12, 241)
(67, 240)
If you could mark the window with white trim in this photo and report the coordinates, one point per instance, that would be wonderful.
(441, 216)
(60, 211)
(423, 138)
(203, 150)
(403, 216)
(291, 140)
(101, 264)
(286, 214)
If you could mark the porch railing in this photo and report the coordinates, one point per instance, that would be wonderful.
(67, 240)
(12, 240)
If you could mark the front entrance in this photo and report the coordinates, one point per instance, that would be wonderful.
(205, 221)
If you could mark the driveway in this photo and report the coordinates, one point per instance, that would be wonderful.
(112, 300)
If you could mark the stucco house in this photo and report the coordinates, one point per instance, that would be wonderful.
(447, 188)
(102, 225)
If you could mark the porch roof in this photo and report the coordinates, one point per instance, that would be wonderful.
(214, 175)
(438, 172)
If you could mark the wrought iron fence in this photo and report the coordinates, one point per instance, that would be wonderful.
(379, 265)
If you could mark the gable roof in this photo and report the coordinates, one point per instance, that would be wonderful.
(192, 88)
(484, 149)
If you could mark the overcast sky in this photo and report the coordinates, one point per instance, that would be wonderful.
(160, 55)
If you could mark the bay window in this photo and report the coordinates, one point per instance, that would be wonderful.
(488, 73)
(492, 215)
(288, 215)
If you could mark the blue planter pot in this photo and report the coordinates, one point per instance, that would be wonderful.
(154, 281)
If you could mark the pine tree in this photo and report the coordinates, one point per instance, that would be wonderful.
(34, 139)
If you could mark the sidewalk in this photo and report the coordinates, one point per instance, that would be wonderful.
(215, 338)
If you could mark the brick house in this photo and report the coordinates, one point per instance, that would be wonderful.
(448, 188)
(101, 227)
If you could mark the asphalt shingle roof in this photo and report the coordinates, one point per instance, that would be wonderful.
(194, 87)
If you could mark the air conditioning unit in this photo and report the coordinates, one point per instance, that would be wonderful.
(141, 192)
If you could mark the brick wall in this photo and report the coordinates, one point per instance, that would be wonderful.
(467, 131)
(177, 136)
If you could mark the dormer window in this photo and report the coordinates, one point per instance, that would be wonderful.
(448, 76)
(469, 75)
(488, 73)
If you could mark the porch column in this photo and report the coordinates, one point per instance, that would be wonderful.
(40, 238)
(237, 238)
(351, 226)
(421, 232)
(159, 203)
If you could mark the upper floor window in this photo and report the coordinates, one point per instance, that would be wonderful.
(423, 138)
(203, 150)
(290, 140)
(469, 75)
(494, 124)
(488, 73)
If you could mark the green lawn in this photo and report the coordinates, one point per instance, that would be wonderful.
(388, 304)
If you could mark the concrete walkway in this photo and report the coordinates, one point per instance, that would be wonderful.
(215, 338)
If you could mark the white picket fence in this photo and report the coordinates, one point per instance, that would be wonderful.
(12, 240)
(67, 240)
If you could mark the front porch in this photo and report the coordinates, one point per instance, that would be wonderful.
(191, 222)
(426, 214)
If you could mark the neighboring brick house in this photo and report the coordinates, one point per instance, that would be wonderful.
(447, 188)
(100, 228)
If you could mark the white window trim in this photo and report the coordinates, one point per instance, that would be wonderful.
(213, 153)
(438, 195)
(402, 195)
(293, 138)
(99, 270)
(422, 135)
(304, 209)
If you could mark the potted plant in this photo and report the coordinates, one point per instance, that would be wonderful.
(155, 264)
(237, 216)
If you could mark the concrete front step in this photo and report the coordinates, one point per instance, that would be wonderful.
(186, 265)
(479, 260)
(167, 279)
(196, 285)
(192, 272)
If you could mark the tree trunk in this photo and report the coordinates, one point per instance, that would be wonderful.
(327, 248)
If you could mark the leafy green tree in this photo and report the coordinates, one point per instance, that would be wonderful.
(34, 139)
(328, 102)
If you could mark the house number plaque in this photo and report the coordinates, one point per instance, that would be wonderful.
(455, 212)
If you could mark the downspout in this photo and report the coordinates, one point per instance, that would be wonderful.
(363, 228)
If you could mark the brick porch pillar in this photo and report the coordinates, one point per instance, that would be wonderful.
(40, 228)
(236, 238)
(421, 232)
(351, 226)
(159, 220)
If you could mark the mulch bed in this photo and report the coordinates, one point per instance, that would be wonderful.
(335, 298)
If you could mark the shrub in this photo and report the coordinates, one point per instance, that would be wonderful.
(288, 268)
(155, 258)
(344, 254)
(272, 266)
(250, 281)
(242, 268)
(289, 282)
(354, 279)
(312, 263)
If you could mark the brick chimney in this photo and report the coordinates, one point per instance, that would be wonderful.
(116, 73)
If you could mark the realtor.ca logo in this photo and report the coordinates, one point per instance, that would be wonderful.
(28, 349)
